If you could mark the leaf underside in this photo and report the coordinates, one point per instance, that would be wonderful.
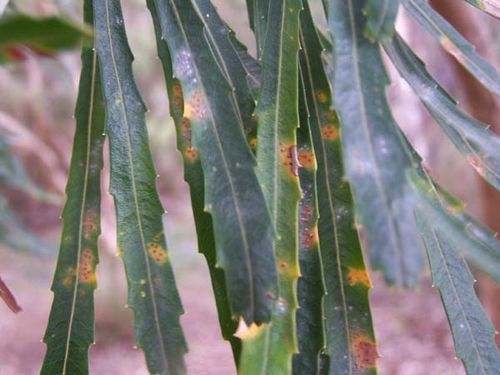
(141, 242)
(381, 18)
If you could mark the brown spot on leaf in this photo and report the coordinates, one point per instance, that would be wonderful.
(321, 96)
(330, 133)
(253, 143)
(86, 272)
(157, 252)
(196, 107)
(306, 159)
(89, 225)
(289, 159)
(365, 352)
(191, 154)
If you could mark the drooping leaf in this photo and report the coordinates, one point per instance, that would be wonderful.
(473, 333)
(193, 174)
(491, 7)
(41, 35)
(454, 43)
(381, 16)
(277, 114)
(9, 299)
(70, 329)
(376, 155)
(350, 341)
(310, 288)
(152, 292)
(479, 145)
(233, 197)
(463, 234)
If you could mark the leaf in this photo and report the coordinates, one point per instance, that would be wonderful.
(376, 154)
(491, 7)
(241, 222)
(473, 333)
(152, 292)
(258, 11)
(310, 288)
(463, 234)
(479, 144)
(42, 35)
(381, 18)
(9, 299)
(454, 43)
(277, 114)
(193, 175)
(70, 329)
(346, 309)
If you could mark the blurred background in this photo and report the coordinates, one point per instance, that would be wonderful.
(37, 98)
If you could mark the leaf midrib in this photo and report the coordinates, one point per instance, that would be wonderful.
(134, 189)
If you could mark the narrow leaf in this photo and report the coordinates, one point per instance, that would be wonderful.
(454, 43)
(258, 11)
(473, 333)
(193, 175)
(241, 222)
(152, 292)
(480, 146)
(42, 35)
(463, 234)
(350, 341)
(381, 16)
(310, 288)
(491, 7)
(376, 154)
(277, 114)
(70, 329)
(9, 299)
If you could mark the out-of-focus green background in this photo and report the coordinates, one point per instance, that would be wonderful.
(37, 97)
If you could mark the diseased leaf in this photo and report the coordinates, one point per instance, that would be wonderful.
(491, 7)
(152, 292)
(277, 114)
(454, 43)
(376, 154)
(41, 35)
(473, 333)
(241, 222)
(479, 145)
(70, 329)
(310, 288)
(381, 16)
(193, 174)
(463, 234)
(350, 341)
(9, 299)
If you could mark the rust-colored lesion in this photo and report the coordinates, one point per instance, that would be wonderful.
(358, 276)
(86, 271)
(306, 158)
(330, 132)
(177, 97)
(89, 225)
(365, 352)
(157, 252)
(309, 237)
(321, 96)
(289, 159)
(196, 106)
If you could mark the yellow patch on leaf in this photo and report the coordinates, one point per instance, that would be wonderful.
(157, 252)
(358, 275)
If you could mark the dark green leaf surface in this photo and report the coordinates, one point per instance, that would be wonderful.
(463, 234)
(310, 288)
(277, 114)
(43, 35)
(70, 329)
(193, 174)
(381, 16)
(480, 146)
(350, 341)
(454, 43)
(241, 222)
(489, 6)
(376, 155)
(473, 333)
(258, 11)
(152, 292)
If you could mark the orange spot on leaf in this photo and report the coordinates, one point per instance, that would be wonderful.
(289, 159)
(358, 275)
(306, 159)
(365, 351)
(330, 133)
(321, 96)
(157, 252)
(191, 154)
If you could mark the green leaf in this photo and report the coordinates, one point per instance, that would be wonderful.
(454, 43)
(193, 175)
(152, 292)
(70, 329)
(42, 35)
(491, 7)
(480, 145)
(310, 288)
(258, 11)
(241, 222)
(463, 234)
(381, 16)
(277, 114)
(350, 341)
(473, 333)
(376, 154)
